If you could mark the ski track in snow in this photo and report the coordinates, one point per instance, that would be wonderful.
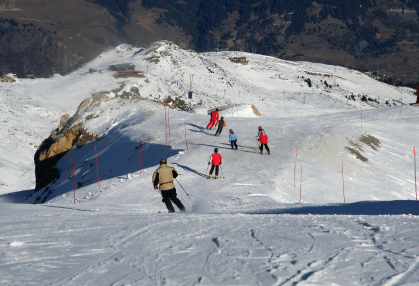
(246, 228)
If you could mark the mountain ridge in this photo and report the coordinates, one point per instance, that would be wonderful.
(379, 36)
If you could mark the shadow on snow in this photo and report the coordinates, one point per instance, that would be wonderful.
(397, 207)
(186, 168)
(115, 158)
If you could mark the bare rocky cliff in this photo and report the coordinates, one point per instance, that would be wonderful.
(60, 141)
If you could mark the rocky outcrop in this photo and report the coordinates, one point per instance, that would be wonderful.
(5, 78)
(60, 141)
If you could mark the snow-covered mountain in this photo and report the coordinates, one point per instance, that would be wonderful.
(334, 203)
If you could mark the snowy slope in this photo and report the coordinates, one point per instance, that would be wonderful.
(246, 228)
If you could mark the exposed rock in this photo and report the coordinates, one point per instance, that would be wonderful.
(57, 145)
(256, 111)
(63, 121)
(5, 78)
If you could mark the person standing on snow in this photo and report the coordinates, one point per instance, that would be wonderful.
(221, 124)
(163, 177)
(257, 137)
(216, 161)
(232, 139)
(263, 138)
(214, 119)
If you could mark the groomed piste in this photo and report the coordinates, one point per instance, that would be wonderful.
(333, 204)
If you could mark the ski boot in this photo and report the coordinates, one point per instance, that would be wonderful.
(210, 176)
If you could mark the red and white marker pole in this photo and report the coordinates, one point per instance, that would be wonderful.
(165, 119)
(97, 169)
(165, 147)
(168, 118)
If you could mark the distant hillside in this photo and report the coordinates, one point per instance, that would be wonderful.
(375, 35)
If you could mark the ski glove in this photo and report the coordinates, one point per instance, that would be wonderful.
(155, 187)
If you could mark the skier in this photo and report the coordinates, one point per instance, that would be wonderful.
(257, 137)
(214, 118)
(163, 177)
(221, 124)
(263, 138)
(232, 139)
(216, 161)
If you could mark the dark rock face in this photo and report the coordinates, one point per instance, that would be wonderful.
(60, 141)
(30, 51)
(51, 150)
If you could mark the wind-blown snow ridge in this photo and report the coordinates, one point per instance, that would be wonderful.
(246, 228)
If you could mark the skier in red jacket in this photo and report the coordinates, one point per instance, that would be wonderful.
(216, 161)
(263, 138)
(214, 119)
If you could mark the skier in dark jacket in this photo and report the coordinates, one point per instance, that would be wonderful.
(216, 161)
(221, 124)
(163, 177)
(232, 139)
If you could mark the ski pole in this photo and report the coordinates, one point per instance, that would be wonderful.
(207, 169)
(181, 187)
(157, 191)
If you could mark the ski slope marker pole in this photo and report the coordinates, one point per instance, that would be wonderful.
(295, 167)
(186, 140)
(140, 156)
(165, 120)
(182, 187)
(343, 181)
(74, 164)
(416, 186)
(97, 169)
(165, 148)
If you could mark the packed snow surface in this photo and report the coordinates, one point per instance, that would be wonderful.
(333, 204)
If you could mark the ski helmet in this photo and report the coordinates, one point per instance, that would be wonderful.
(231, 130)
(260, 127)
(216, 150)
